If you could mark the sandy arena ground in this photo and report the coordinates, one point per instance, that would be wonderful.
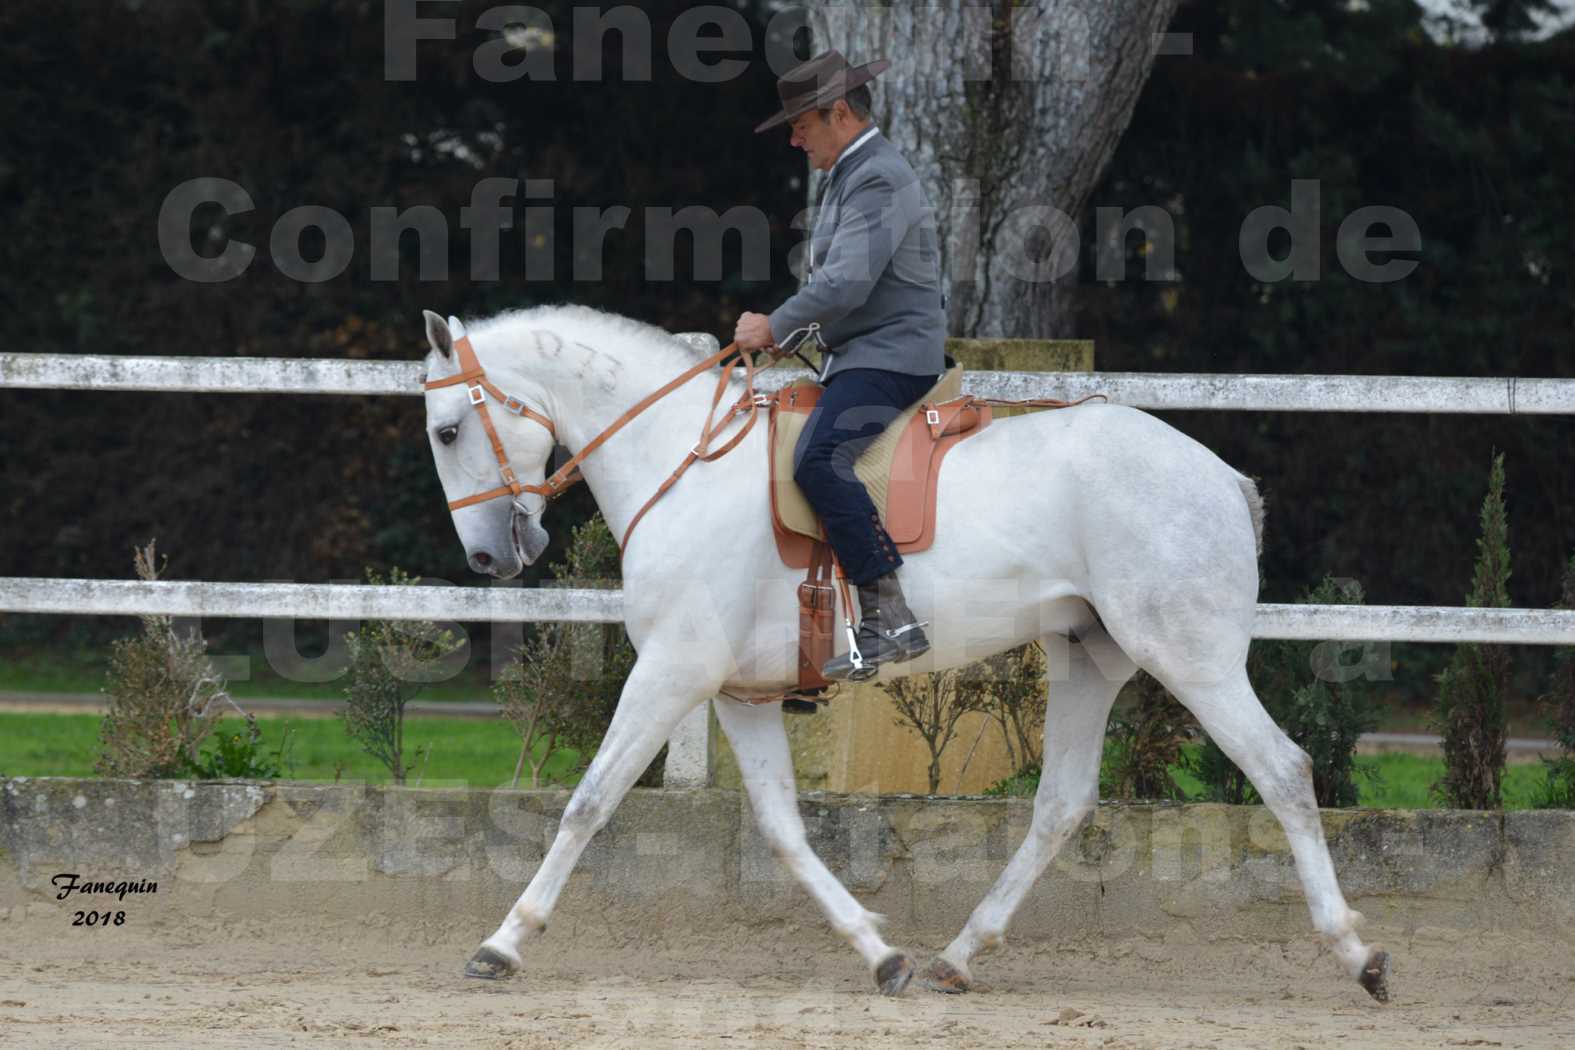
(334, 985)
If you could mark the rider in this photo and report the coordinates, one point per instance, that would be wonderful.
(873, 284)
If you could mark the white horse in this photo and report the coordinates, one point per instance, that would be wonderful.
(1099, 530)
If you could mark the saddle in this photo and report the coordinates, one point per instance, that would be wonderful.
(899, 469)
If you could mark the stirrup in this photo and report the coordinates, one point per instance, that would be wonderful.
(854, 655)
(858, 666)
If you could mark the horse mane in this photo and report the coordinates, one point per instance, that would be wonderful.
(579, 318)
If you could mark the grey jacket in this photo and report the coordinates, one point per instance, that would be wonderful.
(874, 270)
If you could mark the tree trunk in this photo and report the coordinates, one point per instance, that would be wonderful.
(1009, 113)
(519, 767)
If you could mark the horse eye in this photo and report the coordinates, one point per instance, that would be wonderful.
(447, 435)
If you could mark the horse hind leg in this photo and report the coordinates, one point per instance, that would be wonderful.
(765, 764)
(647, 711)
(1232, 715)
(1075, 719)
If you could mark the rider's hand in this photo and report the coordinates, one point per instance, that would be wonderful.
(753, 331)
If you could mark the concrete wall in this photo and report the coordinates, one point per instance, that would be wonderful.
(677, 860)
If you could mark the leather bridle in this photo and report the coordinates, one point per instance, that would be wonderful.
(561, 480)
(478, 388)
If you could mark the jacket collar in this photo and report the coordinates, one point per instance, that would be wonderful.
(863, 141)
(850, 158)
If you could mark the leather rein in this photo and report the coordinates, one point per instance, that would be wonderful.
(480, 388)
(564, 478)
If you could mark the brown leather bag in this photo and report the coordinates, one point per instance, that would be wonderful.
(816, 608)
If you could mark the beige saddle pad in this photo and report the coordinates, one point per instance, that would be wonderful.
(874, 468)
(898, 468)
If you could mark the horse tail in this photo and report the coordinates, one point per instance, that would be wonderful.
(1249, 491)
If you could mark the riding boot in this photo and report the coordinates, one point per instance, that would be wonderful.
(888, 633)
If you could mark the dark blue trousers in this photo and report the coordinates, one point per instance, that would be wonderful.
(855, 407)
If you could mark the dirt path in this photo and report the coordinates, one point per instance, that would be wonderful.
(330, 985)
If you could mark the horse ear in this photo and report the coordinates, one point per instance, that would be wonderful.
(438, 334)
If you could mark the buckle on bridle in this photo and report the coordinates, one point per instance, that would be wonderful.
(476, 394)
(932, 417)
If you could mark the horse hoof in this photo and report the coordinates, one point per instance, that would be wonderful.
(488, 965)
(942, 976)
(1375, 975)
(894, 973)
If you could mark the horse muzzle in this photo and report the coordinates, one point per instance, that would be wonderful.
(529, 538)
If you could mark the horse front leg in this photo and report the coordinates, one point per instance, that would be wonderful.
(1075, 720)
(653, 701)
(766, 766)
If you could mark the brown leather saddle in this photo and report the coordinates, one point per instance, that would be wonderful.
(899, 469)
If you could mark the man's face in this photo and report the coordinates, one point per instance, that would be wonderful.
(816, 137)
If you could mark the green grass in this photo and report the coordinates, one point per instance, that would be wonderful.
(1403, 782)
(482, 753)
(1398, 781)
(477, 752)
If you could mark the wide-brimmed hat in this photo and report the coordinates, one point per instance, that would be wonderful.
(818, 83)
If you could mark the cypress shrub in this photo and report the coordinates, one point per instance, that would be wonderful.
(1470, 700)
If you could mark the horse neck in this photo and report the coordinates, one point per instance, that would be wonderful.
(589, 389)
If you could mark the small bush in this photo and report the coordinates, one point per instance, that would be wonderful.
(390, 661)
(1022, 784)
(1010, 689)
(931, 705)
(240, 756)
(1221, 780)
(563, 685)
(163, 694)
(1327, 716)
(1470, 704)
(1143, 742)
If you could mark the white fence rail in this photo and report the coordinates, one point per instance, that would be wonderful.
(311, 601)
(1148, 390)
(688, 753)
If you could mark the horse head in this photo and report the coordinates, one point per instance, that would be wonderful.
(473, 447)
